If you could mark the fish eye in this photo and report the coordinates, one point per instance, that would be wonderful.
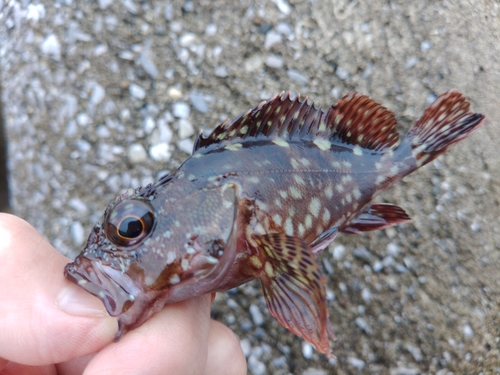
(129, 222)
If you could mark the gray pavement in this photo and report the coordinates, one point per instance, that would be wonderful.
(102, 96)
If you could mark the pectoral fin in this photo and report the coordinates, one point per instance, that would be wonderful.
(375, 217)
(293, 288)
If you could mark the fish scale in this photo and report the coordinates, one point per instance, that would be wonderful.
(259, 198)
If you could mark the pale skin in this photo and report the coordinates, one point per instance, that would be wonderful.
(50, 326)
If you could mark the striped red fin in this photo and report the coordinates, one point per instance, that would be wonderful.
(376, 216)
(294, 288)
(359, 120)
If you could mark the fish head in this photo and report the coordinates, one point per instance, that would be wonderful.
(151, 251)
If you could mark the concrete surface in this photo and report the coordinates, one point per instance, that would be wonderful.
(101, 96)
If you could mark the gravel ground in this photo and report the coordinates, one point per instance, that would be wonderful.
(102, 96)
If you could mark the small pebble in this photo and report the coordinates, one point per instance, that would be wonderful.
(392, 249)
(136, 153)
(415, 352)
(256, 315)
(97, 95)
(148, 125)
(255, 366)
(361, 252)
(246, 347)
(425, 46)
(199, 102)
(366, 294)
(185, 129)
(283, 6)
(356, 363)
(51, 47)
(314, 371)
(274, 61)
(78, 205)
(160, 152)
(361, 323)
(181, 110)
(104, 4)
(338, 252)
(220, 71)
(186, 145)
(83, 119)
(279, 362)
(307, 350)
(137, 91)
(297, 76)
(468, 332)
(272, 38)
(78, 233)
(388, 261)
(187, 39)
(342, 73)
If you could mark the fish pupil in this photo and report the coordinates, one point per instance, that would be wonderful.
(131, 227)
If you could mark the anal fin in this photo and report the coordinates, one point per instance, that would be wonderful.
(376, 216)
(294, 288)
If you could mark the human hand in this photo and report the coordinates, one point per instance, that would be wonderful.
(49, 325)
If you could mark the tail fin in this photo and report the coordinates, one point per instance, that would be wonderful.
(446, 122)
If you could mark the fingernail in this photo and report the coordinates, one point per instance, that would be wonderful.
(73, 300)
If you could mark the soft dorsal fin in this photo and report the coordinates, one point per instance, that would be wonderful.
(355, 119)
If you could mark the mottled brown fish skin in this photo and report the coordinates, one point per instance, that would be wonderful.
(258, 199)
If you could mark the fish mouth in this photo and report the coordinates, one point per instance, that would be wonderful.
(115, 289)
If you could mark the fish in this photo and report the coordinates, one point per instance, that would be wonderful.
(261, 197)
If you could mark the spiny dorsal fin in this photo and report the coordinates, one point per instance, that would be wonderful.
(355, 119)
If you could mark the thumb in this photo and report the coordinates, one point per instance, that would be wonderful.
(44, 318)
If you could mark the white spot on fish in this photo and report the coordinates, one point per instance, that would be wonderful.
(346, 179)
(347, 164)
(185, 264)
(315, 206)
(294, 163)
(234, 147)
(339, 188)
(379, 180)
(378, 165)
(348, 198)
(299, 179)
(281, 142)
(295, 193)
(308, 221)
(394, 170)
(289, 227)
(326, 216)
(301, 230)
(323, 144)
(283, 194)
(277, 202)
(174, 279)
(277, 219)
(305, 161)
(357, 150)
(336, 165)
(227, 204)
(171, 257)
(253, 179)
(191, 177)
(357, 193)
(329, 191)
